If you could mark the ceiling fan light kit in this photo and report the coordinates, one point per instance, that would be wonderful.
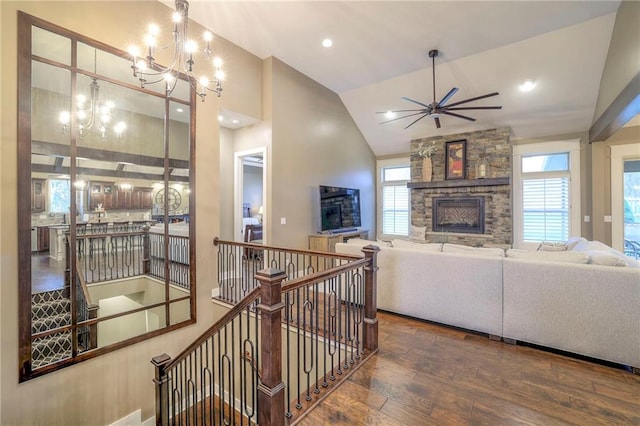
(436, 109)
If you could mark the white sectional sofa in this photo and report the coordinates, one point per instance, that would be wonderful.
(450, 288)
(556, 300)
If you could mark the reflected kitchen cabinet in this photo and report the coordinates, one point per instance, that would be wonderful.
(38, 195)
(146, 201)
(134, 199)
(101, 193)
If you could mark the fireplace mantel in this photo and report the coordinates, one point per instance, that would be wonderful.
(460, 183)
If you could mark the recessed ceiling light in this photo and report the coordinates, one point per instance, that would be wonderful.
(327, 42)
(235, 121)
(220, 118)
(527, 86)
(390, 114)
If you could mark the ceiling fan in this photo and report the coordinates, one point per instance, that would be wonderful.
(435, 109)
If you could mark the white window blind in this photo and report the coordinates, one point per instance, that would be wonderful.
(545, 208)
(395, 210)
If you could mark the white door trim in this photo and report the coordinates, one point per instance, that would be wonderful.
(619, 153)
(237, 193)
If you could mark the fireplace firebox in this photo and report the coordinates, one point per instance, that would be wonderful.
(464, 215)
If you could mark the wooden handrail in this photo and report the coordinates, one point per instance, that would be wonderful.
(83, 285)
(320, 276)
(217, 241)
(226, 318)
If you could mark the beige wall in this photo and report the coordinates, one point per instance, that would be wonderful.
(101, 390)
(623, 57)
(623, 63)
(314, 142)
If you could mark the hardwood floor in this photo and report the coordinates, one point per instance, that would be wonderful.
(425, 374)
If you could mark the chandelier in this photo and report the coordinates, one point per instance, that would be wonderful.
(149, 72)
(91, 113)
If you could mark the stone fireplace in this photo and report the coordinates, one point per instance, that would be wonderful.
(473, 211)
(465, 215)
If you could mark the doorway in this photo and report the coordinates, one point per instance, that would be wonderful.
(250, 200)
(625, 198)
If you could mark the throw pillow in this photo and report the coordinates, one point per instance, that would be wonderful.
(383, 243)
(571, 242)
(599, 257)
(418, 233)
(552, 246)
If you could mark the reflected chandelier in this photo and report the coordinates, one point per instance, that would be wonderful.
(92, 113)
(149, 72)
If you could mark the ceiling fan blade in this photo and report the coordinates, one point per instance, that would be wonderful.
(488, 95)
(447, 96)
(478, 107)
(418, 119)
(437, 120)
(404, 116)
(401, 110)
(464, 117)
(416, 102)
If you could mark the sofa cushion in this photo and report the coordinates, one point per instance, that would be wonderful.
(549, 256)
(473, 251)
(417, 246)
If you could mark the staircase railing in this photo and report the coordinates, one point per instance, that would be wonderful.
(281, 347)
(85, 310)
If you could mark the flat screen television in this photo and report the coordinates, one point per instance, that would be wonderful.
(339, 208)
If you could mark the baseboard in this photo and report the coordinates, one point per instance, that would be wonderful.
(133, 419)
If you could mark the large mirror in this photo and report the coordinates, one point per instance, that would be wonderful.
(106, 218)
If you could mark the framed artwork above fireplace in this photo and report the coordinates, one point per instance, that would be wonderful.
(456, 160)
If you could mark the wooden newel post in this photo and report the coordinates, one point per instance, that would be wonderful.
(370, 298)
(271, 387)
(161, 381)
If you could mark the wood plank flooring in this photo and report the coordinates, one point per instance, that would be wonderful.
(426, 374)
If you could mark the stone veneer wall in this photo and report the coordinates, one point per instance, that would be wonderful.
(494, 145)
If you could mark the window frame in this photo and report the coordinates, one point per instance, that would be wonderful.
(382, 165)
(572, 147)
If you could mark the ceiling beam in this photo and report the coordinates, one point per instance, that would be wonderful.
(60, 150)
(622, 109)
(115, 174)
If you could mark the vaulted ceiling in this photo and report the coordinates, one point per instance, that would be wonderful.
(380, 54)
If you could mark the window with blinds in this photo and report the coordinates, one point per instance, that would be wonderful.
(395, 201)
(545, 197)
(545, 208)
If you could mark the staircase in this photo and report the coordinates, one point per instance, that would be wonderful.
(50, 310)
